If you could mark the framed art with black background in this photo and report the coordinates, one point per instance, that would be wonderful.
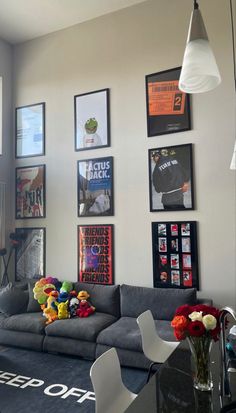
(175, 254)
(168, 108)
(96, 254)
(171, 178)
(30, 253)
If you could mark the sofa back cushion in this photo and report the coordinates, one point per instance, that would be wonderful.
(161, 301)
(105, 298)
(13, 300)
(33, 305)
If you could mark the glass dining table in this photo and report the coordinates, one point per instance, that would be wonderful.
(170, 390)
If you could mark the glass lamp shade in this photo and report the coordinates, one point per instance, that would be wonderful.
(233, 161)
(199, 69)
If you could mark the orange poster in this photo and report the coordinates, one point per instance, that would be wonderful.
(165, 98)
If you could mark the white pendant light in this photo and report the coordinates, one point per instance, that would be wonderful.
(233, 160)
(199, 69)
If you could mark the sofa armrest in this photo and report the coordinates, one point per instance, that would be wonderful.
(206, 301)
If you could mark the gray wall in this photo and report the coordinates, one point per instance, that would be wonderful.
(116, 51)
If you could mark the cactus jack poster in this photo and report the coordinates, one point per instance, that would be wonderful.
(95, 187)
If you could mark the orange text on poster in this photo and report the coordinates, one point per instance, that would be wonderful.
(165, 98)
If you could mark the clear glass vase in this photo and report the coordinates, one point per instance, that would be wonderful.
(200, 351)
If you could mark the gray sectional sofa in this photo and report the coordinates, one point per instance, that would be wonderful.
(112, 325)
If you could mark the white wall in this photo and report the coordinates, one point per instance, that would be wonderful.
(6, 159)
(117, 51)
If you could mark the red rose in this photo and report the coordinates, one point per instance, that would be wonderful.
(179, 334)
(215, 312)
(196, 328)
(207, 309)
(184, 310)
(215, 333)
(201, 307)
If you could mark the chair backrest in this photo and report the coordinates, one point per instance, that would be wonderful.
(148, 331)
(110, 393)
(154, 348)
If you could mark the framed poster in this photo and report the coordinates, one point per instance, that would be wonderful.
(30, 192)
(95, 187)
(175, 256)
(171, 178)
(30, 253)
(95, 254)
(92, 123)
(30, 130)
(168, 108)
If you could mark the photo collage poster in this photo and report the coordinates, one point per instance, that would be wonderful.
(175, 260)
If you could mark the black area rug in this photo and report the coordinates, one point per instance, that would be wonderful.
(33, 382)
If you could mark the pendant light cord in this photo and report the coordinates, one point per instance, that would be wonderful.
(232, 27)
(195, 5)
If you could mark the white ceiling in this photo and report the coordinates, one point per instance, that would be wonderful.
(22, 20)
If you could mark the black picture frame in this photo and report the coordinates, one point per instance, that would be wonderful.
(168, 108)
(175, 254)
(30, 130)
(30, 253)
(171, 183)
(95, 187)
(92, 120)
(30, 192)
(96, 253)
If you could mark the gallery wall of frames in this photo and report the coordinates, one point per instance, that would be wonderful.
(171, 186)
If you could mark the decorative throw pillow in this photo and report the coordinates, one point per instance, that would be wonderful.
(13, 300)
(33, 305)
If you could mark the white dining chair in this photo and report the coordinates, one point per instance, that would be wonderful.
(110, 392)
(154, 348)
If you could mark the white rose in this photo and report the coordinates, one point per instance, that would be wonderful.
(196, 316)
(209, 322)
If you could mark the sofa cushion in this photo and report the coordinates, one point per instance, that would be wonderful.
(105, 298)
(33, 305)
(27, 322)
(161, 301)
(2, 318)
(13, 300)
(85, 329)
(125, 334)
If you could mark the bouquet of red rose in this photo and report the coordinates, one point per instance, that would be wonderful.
(200, 325)
(196, 321)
